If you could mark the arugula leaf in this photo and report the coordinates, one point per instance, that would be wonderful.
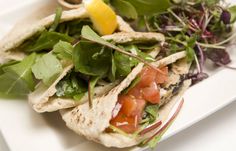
(89, 34)
(47, 68)
(63, 50)
(57, 19)
(71, 86)
(150, 7)
(124, 8)
(92, 82)
(17, 79)
(86, 62)
(46, 41)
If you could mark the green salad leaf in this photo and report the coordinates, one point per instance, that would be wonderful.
(63, 50)
(17, 79)
(46, 41)
(89, 34)
(73, 28)
(57, 19)
(125, 8)
(123, 64)
(7, 64)
(152, 112)
(113, 69)
(91, 59)
(47, 68)
(71, 86)
(92, 82)
(133, 8)
(135, 50)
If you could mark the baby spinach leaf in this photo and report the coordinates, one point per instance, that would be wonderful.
(124, 8)
(123, 64)
(86, 62)
(46, 41)
(17, 79)
(149, 7)
(63, 50)
(47, 68)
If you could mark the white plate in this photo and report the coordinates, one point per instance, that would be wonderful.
(23, 129)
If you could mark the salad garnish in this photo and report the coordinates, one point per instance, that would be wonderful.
(202, 28)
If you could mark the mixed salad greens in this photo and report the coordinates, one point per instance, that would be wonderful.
(96, 61)
(200, 27)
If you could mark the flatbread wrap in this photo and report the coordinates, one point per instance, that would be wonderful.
(120, 118)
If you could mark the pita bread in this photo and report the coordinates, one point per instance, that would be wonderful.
(87, 121)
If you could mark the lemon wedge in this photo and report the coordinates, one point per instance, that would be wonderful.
(103, 17)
